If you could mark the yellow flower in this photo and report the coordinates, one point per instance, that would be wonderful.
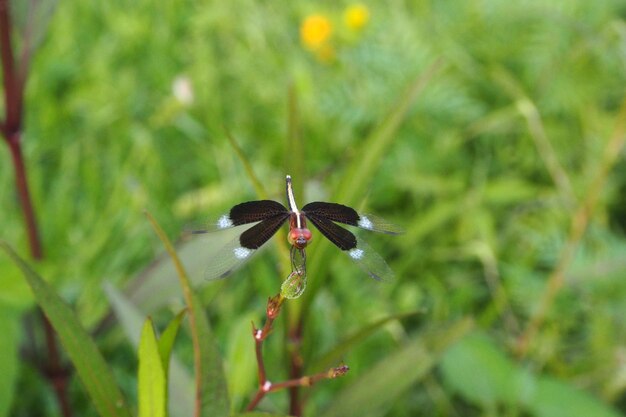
(315, 31)
(356, 16)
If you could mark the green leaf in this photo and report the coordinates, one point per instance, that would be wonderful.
(9, 329)
(180, 384)
(376, 389)
(166, 342)
(484, 375)
(242, 365)
(211, 397)
(338, 352)
(558, 399)
(260, 414)
(481, 373)
(90, 365)
(151, 380)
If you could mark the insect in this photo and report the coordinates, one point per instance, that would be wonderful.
(267, 216)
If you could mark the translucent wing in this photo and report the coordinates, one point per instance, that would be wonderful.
(239, 250)
(357, 250)
(347, 215)
(371, 262)
(229, 258)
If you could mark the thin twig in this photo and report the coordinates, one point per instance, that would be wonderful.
(578, 226)
(295, 368)
(12, 99)
(265, 385)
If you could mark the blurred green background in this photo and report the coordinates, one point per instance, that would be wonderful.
(128, 106)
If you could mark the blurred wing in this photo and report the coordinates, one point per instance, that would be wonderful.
(245, 213)
(227, 259)
(240, 250)
(357, 250)
(371, 262)
(347, 215)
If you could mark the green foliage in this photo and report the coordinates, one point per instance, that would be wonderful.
(462, 165)
(481, 373)
(211, 397)
(90, 365)
(154, 361)
(151, 376)
(402, 369)
(180, 383)
(9, 330)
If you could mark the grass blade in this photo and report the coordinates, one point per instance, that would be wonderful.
(151, 379)
(9, 329)
(294, 159)
(166, 342)
(338, 352)
(180, 384)
(211, 398)
(83, 352)
(258, 185)
(363, 168)
(375, 390)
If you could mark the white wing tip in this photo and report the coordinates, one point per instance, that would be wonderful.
(365, 223)
(241, 252)
(224, 222)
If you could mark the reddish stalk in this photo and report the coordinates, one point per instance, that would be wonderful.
(265, 385)
(295, 368)
(11, 127)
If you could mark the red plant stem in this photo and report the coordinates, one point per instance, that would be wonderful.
(21, 184)
(265, 386)
(11, 127)
(295, 369)
(13, 87)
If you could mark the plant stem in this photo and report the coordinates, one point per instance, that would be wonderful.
(21, 183)
(265, 386)
(295, 368)
(11, 128)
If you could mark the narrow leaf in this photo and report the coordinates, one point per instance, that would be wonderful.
(558, 399)
(295, 147)
(151, 380)
(375, 146)
(180, 385)
(374, 391)
(166, 342)
(338, 352)
(211, 397)
(258, 184)
(9, 329)
(83, 352)
(480, 372)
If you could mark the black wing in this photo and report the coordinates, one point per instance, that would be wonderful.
(240, 250)
(257, 235)
(254, 211)
(347, 215)
(357, 250)
(244, 213)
